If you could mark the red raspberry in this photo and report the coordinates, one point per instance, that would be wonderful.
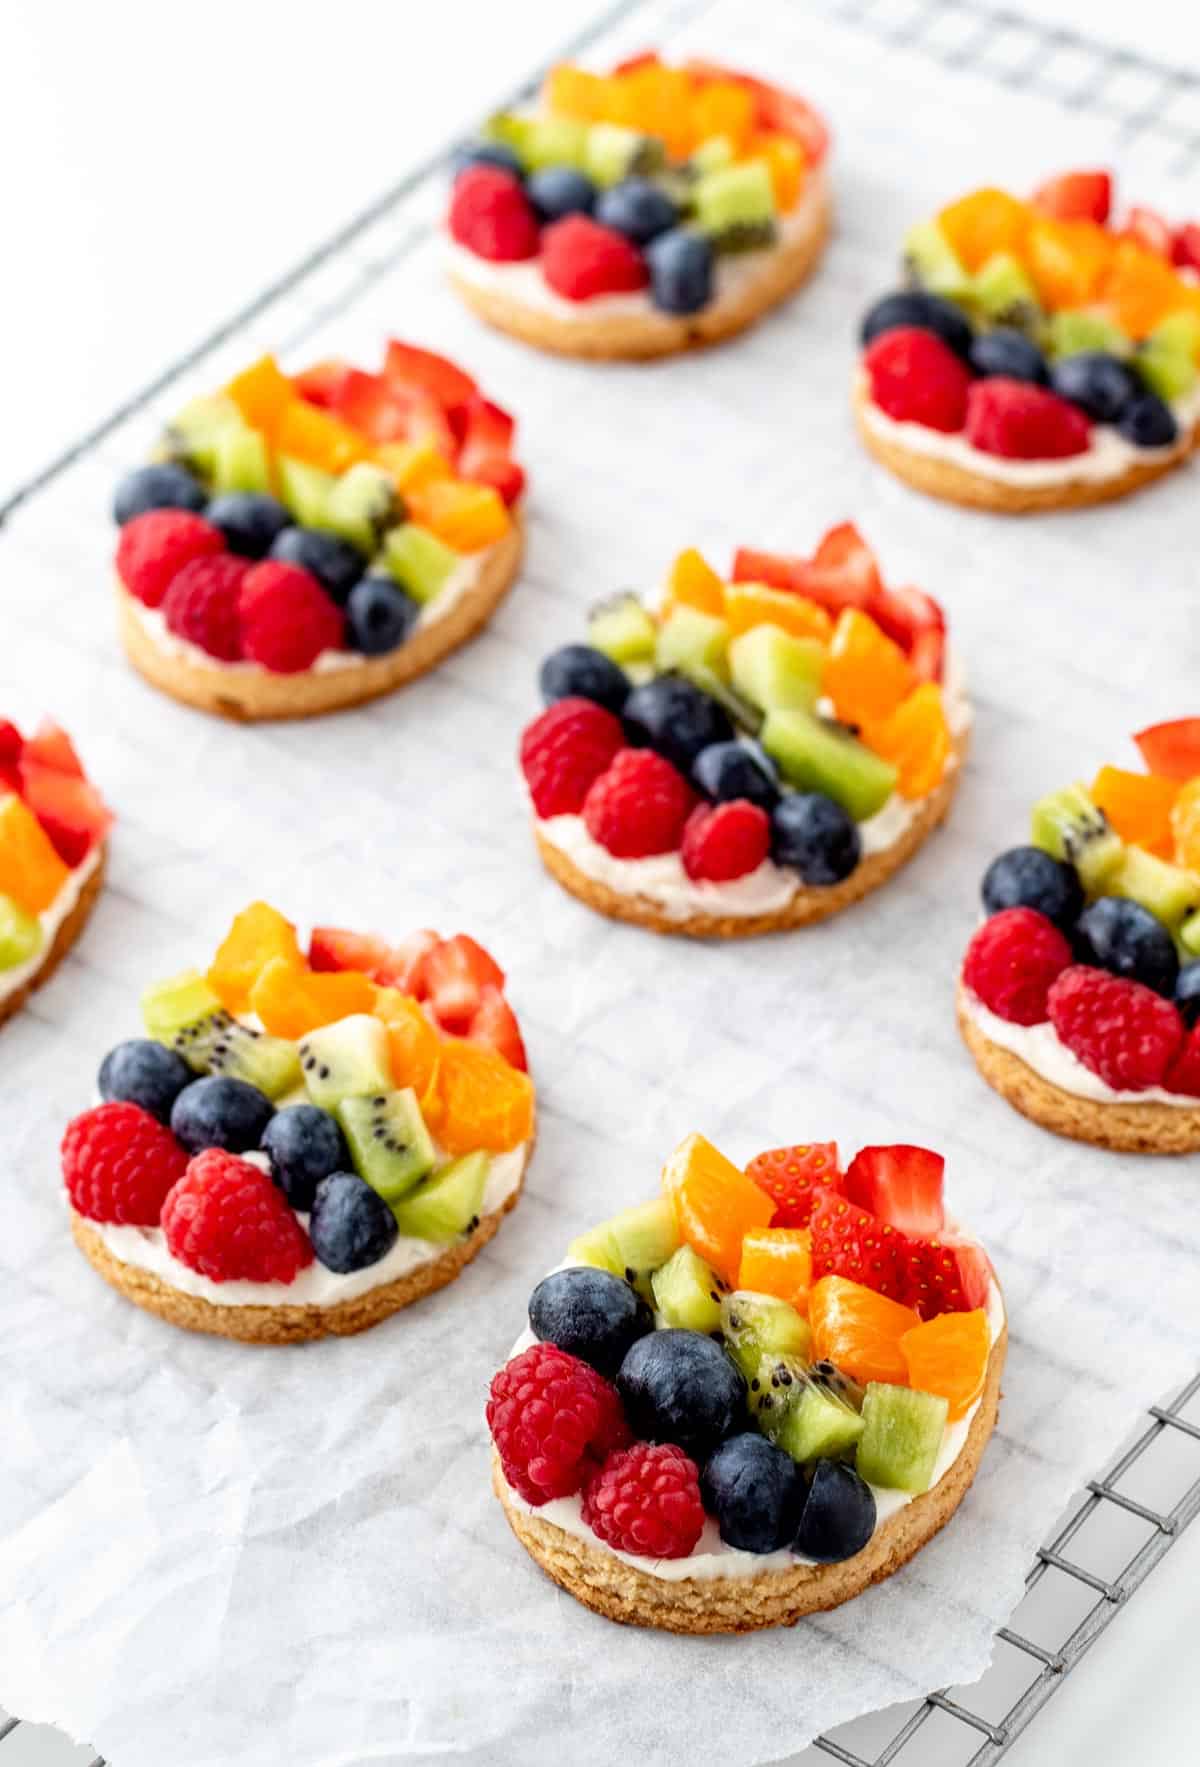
(1120, 1030)
(155, 546)
(552, 1419)
(1183, 1075)
(201, 605)
(639, 806)
(1024, 422)
(850, 1241)
(565, 750)
(724, 841)
(916, 378)
(1011, 962)
(118, 1163)
(491, 215)
(227, 1220)
(646, 1499)
(287, 619)
(791, 1176)
(580, 259)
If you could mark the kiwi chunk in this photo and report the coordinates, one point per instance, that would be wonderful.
(192, 437)
(1073, 330)
(776, 670)
(735, 206)
(446, 1204)
(633, 1244)
(1167, 370)
(1189, 936)
(687, 1292)
(814, 1424)
(932, 261)
(611, 152)
(178, 1004)
(241, 460)
(241, 1053)
(712, 155)
(624, 630)
(349, 1059)
(418, 561)
(816, 755)
(21, 935)
(691, 641)
(902, 1433)
(843, 1386)
(362, 504)
(306, 490)
(762, 1325)
(540, 141)
(1003, 291)
(388, 1141)
(1169, 892)
(1068, 825)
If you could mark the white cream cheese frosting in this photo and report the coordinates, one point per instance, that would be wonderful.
(50, 919)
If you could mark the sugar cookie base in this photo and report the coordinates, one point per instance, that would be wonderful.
(64, 938)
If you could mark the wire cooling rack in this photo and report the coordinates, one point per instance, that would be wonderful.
(1127, 1520)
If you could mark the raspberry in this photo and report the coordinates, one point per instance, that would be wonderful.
(201, 605)
(580, 259)
(1011, 962)
(227, 1220)
(646, 1499)
(916, 378)
(1123, 1032)
(287, 619)
(154, 547)
(639, 806)
(118, 1163)
(1024, 422)
(1183, 1075)
(565, 750)
(491, 215)
(724, 841)
(552, 1419)
(790, 1176)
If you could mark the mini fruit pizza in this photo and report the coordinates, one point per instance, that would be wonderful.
(307, 542)
(53, 828)
(747, 1400)
(302, 1145)
(730, 758)
(1044, 354)
(1080, 993)
(641, 212)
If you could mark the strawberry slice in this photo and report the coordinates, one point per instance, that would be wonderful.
(71, 811)
(1171, 750)
(403, 965)
(841, 573)
(791, 1177)
(485, 448)
(1076, 196)
(405, 365)
(455, 973)
(495, 1023)
(50, 746)
(918, 625)
(1185, 246)
(11, 743)
(902, 1185)
(333, 948)
(385, 411)
(1147, 228)
(848, 1240)
(322, 384)
(946, 1274)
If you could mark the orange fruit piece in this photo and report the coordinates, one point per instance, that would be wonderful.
(1067, 260)
(658, 101)
(866, 674)
(984, 222)
(754, 604)
(414, 465)
(484, 1102)
(31, 872)
(786, 164)
(413, 1041)
(464, 516)
(291, 1001)
(258, 934)
(1139, 807)
(261, 392)
(693, 582)
(714, 1203)
(949, 1356)
(1140, 289)
(778, 1261)
(306, 433)
(721, 107)
(860, 1330)
(915, 739)
(1185, 826)
(574, 92)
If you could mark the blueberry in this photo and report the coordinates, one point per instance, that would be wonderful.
(304, 1145)
(1010, 354)
(145, 1073)
(1187, 993)
(556, 191)
(591, 1314)
(379, 615)
(839, 1514)
(679, 1386)
(637, 208)
(1126, 939)
(728, 770)
(220, 1112)
(1101, 385)
(1026, 877)
(157, 487)
(335, 564)
(815, 836)
(1149, 422)
(487, 153)
(250, 521)
(929, 312)
(676, 718)
(576, 671)
(681, 271)
(755, 1491)
(351, 1226)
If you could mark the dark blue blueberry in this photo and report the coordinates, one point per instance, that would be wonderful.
(755, 1491)
(1187, 993)
(590, 1314)
(351, 1226)
(729, 770)
(1026, 877)
(1101, 385)
(145, 1073)
(157, 487)
(815, 837)
(576, 671)
(379, 615)
(1008, 353)
(679, 1386)
(304, 1145)
(335, 564)
(487, 153)
(839, 1515)
(220, 1112)
(251, 521)
(1149, 422)
(1126, 939)
(637, 208)
(929, 312)
(676, 718)
(556, 191)
(681, 271)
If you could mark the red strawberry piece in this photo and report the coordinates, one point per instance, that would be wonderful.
(791, 1177)
(404, 965)
(1171, 750)
(507, 477)
(491, 216)
(1185, 246)
(494, 1023)
(916, 378)
(1076, 196)
(1012, 961)
(119, 1164)
(639, 806)
(201, 604)
(1147, 228)
(1121, 1031)
(454, 973)
(485, 448)
(553, 1420)
(287, 619)
(387, 411)
(945, 1274)
(848, 1240)
(1183, 1075)
(580, 258)
(322, 384)
(332, 948)
(71, 810)
(229, 1221)
(565, 751)
(1023, 422)
(725, 841)
(408, 365)
(916, 622)
(11, 743)
(646, 1499)
(902, 1185)
(50, 746)
(154, 548)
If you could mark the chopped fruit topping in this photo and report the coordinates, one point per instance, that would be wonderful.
(866, 674)
(945, 1274)
(258, 934)
(413, 1042)
(553, 1420)
(154, 548)
(261, 393)
(949, 1355)
(715, 1205)
(1012, 962)
(747, 605)
(485, 1102)
(69, 808)
(491, 216)
(693, 582)
(986, 222)
(119, 1163)
(725, 841)
(1023, 422)
(1172, 750)
(848, 1240)
(565, 751)
(1185, 826)
(638, 806)
(31, 872)
(404, 965)
(49, 747)
(1139, 807)
(494, 1023)
(287, 620)
(858, 1330)
(201, 605)
(1185, 247)
(1140, 289)
(331, 948)
(453, 976)
(791, 1177)
(1067, 260)
(232, 1223)
(902, 1185)
(1145, 227)
(915, 739)
(581, 259)
(916, 379)
(646, 1499)
(291, 1001)
(778, 1261)
(1120, 1030)
(902, 1433)
(407, 365)
(1076, 196)
(466, 517)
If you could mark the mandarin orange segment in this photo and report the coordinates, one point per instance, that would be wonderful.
(291, 1002)
(484, 1103)
(915, 739)
(413, 1041)
(693, 582)
(1140, 289)
(1139, 807)
(656, 100)
(721, 107)
(260, 393)
(786, 164)
(859, 1330)
(778, 1261)
(574, 92)
(1067, 260)
(754, 604)
(258, 934)
(1185, 826)
(949, 1356)
(466, 517)
(413, 465)
(304, 432)
(983, 223)
(714, 1203)
(866, 673)
(31, 872)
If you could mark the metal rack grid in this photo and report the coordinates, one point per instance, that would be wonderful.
(1140, 97)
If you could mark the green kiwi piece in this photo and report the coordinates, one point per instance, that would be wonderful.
(241, 460)
(623, 629)
(633, 1244)
(1003, 291)
(388, 1141)
(757, 1325)
(1068, 825)
(813, 1423)
(349, 1059)
(446, 1204)
(902, 1433)
(1189, 935)
(817, 755)
(835, 1380)
(611, 152)
(1075, 329)
(690, 641)
(540, 141)
(687, 1292)
(1169, 892)
(362, 504)
(191, 437)
(21, 935)
(735, 206)
(931, 260)
(418, 560)
(774, 669)
(178, 1003)
(306, 490)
